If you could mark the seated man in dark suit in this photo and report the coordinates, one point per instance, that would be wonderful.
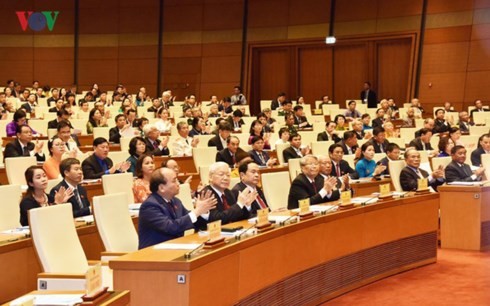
(483, 148)
(428, 124)
(392, 154)
(326, 171)
(440, 124)
(340, 166)
(295, 150)
(349, 144)
(70, 140)
(478, 108)
(162, 216)
(154, 145)
(329, 133)
(299, 117)
(250, 178)
(23, 145)
(61, 115)
(99, 164)
(379, 120)
(57, 106)
(72, 174)
(121, 126)
(464, 122)
(30, 104)
(379, 140)
(228, 154)
(275, 104)
(458, 171)
(422, 143)
(219, 141)
(228, 209)
(411, 173)
(235, 120)
(310, 185)
(259, 156)
(225, 107)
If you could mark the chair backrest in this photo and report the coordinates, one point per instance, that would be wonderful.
(399, 141)
(116, 229)
(118, 156)
(485, 161)
(479, 130)
(396, 167)
(279, 148)
(378, 156)
(203, 140)
(119, 182)
(53, 182)
(51, 228)
(275, 185)
(437, 161)
(204, 156)
(294, 168)
(321, 147)
(307, 137)
(234, 181)
(350, 158)
(185, 195)
(204, 174)
(10, 216)
(479, 117)
(408, 134)
(101, 132)
(124, 141)
(15, 168)
(39, 125)
(265, 104)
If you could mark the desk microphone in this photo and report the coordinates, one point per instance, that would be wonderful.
(366, 202)
(283, 222)
(188, 255)
(239, 236)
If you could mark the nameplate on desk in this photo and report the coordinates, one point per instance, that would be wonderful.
(385, 189)
(346, 197)
(214, 230)
(304, 206)
(422, 184)
(93, 280)
(263, 216)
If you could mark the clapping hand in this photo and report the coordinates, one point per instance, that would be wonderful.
(63, 195)
(247, 197)
(204, 203)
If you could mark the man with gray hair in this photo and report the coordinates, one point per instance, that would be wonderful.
(310, 185)
(183, 145)
(227, 208)
(167, 99)
(154, 145)
(325, 164)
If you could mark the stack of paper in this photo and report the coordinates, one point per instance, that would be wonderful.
(50, 299)
(176, 246)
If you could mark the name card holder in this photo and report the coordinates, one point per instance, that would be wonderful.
(94, 293)
(385, 192)
(422, 186)
(346, 200)
(304, 209)
(263, 224)
(215, 238)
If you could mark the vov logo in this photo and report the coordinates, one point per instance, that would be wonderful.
(37, 21)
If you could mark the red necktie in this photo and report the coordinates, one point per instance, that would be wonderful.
(314, 187)
(338, 170)
(225, 202)
(261, 202)
(234, 160)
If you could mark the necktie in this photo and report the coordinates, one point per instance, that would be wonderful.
(155, 145)
(465, 170)
(77, 198)
(314, 187)
(186, 141)
(25, 151)
(225, 202)
(67, 146)
(381, 148)
(261, 158)
(419, 173)
(261, 202)
(233, 158)
(338, 170)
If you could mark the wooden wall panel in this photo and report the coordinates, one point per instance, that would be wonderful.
(393, 69)
(355, 10)
(390, 9)
(477, 87)
(479, 57)
(446, 35)
(448, 57)
(445, 87)
(309, 11)
(350, 72)
(268, 13)
(315, 72)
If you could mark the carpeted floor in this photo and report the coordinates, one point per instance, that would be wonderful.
(458, 278)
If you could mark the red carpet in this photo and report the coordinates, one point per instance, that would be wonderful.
(458, 278)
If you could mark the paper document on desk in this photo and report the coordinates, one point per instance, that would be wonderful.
(50, 299)
(86, 219)
(90, 181)
(467, 183)
(364, 200)
(273, 219)
(135, 206)
(176, 246)
(320, 208)
(24, 230)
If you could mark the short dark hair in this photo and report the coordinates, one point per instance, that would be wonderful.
(132, 144)
(351, 102)
(19, 114)
(333, 147)
(366, 145)
(99, 140)
(379, 109)
(195, 121)
(156, 179)
(238, 87)
(244, 166)
(297, 107)
(65, 165)
(349, 135)
(230, 137)
(377, 130)
(440, 109)
(227, 99)
(139, 165)
(424, 131)
(62, 124)
(456, 149)
(282, 130)
(293, 135)
(18, 128)
(443, 141)
(255, 139)
(392, 146)
(130, 111)
(281, 94)
(62, 112)
(224, 126)
(365, 116)
(337, 117)
(119, 116)
(237, 113)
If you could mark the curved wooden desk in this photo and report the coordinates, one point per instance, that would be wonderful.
(304, 263)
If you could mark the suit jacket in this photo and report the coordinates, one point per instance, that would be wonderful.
(408, 179)
(359, 135)
(372, 100)
(440, 126)
(476, 156)
(289, 153)
(377, 146)
(53, 124)
(216, 142)
(77, 211)
(114, 135)
(156, 151)
(255, 205)
(455, 172)
(227, 110)
(346, 151)
(417, 143)
(232, 214)
(28, 203)
(385, 162)
(301, 188)
(256, 158)
(299, 120)
(344, 169)
(27, 106)
(225, 156)
(230, 121)
(465, 128)
(323, 136)
(275, 104)
(160, 220)
(377, 122)
(92, 169)
(14, 149)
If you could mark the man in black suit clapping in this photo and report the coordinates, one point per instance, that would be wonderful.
(457, 170)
